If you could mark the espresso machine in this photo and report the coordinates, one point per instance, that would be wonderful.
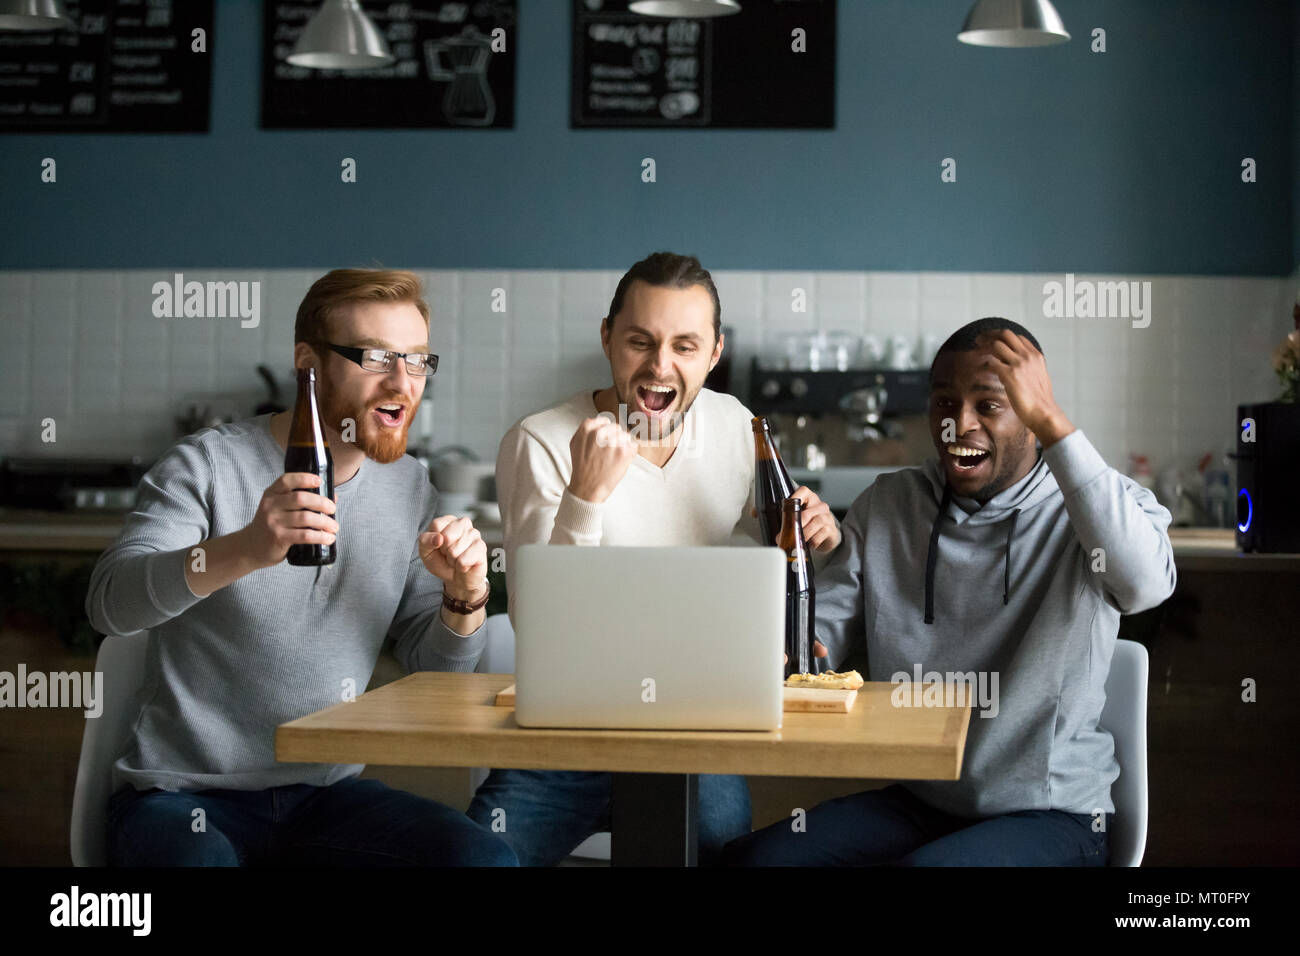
(839, 428)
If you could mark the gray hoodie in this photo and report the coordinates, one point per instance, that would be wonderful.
(1026, 592)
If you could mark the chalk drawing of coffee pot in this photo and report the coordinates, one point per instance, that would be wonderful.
(463, 60)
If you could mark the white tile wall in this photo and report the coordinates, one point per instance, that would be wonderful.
(85, 349)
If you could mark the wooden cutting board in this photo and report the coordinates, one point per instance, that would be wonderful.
(797, 699)
(809, 701)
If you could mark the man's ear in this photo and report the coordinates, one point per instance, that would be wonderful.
(717, 351)
(304, 356)
(605, 331)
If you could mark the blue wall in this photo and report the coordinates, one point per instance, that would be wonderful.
(1127, 161)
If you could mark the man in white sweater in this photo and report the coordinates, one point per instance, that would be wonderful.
(655, 459)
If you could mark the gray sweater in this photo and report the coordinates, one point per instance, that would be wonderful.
(1013, 593)
(224, 670)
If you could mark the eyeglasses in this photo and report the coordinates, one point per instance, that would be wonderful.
(381, 360)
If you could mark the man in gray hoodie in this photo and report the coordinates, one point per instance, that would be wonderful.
(1012, 555)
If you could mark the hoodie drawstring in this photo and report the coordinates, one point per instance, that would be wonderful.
(932, 556)
(1006, 569)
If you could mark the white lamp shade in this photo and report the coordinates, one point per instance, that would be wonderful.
(340, 37)
(695, 9)
(33, 15)
(1013, 23)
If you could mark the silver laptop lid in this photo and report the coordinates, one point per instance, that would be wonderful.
(659, 638)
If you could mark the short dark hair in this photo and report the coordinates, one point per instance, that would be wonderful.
(667, 270)
(965, 338)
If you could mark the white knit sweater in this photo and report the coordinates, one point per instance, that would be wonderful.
(701, 496)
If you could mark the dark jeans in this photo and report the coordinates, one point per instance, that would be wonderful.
(893, 827)
(351, 823)
(547, 813)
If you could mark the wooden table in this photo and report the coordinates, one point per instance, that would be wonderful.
(450, 720)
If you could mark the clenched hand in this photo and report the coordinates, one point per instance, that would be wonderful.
(602, 451)
(453, 551)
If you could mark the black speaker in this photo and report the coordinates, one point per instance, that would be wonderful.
(1268, 477)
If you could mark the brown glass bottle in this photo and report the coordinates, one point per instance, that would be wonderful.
(309, 451)
(800, 594)
(772, 484)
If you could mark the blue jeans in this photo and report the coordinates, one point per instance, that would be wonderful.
(549, 812)
(893, 827)
(351, 823)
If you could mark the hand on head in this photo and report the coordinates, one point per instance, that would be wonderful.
(1022, 370)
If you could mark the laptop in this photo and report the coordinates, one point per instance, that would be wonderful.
(649, 638)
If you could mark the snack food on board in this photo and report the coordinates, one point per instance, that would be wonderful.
(829, 680)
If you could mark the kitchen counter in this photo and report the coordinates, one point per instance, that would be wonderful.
(27, 530)
(1215, 549)
(1195, 549)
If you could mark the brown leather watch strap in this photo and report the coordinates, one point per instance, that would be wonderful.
(457, 606)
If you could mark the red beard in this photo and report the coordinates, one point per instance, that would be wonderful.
(384, 445)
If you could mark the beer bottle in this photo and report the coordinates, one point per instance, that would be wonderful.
(309, 451)
(772, 484)
(799, 591)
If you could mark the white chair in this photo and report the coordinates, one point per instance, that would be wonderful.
(121, 661)
(499, 654)
(1125, 716)
(499, 658)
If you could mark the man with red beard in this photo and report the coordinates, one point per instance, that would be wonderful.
(241, 642)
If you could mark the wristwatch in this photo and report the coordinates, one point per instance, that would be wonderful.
(457, 606)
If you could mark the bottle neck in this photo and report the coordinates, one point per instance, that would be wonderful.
(305, 428)
(764, 445)
(790, 539)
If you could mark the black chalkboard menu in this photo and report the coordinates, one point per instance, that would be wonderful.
(745, 70)
(447, 72)
(129, 66)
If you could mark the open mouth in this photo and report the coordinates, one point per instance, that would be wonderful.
(655, 398)
(966, 459)
(391, 415)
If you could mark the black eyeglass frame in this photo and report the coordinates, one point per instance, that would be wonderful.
(354, 354)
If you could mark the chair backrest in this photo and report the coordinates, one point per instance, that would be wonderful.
(499, 654)
(1125, 717)
(121, 661)
(499, 658)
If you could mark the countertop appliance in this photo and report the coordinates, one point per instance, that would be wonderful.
(838, 487)
(1268, 460)
(70, 484)
(854, 418)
